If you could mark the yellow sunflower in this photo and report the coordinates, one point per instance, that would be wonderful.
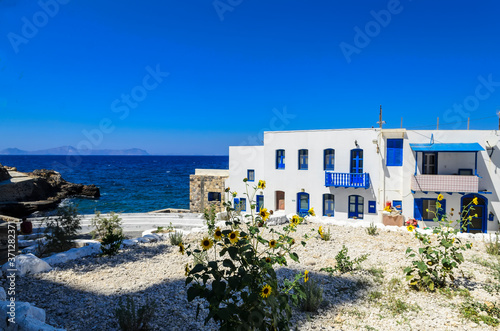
(233, 237)
(218, 234)
(272, 243)
(320, 231)
(410, 228)
(264, 214)
(311, 212)
(440, 197)
(474, 201)
(261, 184)
(186, 270)
(266, 291)
(206, 243)
(181, 248)
(268, 259)
(306, 276)
(295, 220)
(438, 205)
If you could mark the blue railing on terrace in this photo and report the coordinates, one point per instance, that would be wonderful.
(340, 179)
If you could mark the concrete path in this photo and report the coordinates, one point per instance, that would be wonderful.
(139, 222)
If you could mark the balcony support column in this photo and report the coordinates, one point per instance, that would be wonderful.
(475, 165)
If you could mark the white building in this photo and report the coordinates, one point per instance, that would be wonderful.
(351, 174)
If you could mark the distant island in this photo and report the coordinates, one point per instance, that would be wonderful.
(70, 150)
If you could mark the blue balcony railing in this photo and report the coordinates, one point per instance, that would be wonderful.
(339, 179)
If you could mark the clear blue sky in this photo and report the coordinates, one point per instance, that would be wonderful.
(233, 65)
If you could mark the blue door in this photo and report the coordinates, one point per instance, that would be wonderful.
(328, 205)
(260, 202)
(477, 224)
(356, 206)
(302, 204)
(356, 167)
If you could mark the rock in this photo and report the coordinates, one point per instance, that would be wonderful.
(4, 174)
(27, 264)
(27, 317)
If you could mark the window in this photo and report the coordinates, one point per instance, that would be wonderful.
(465, 172)
(280, 159)
(356, 206)
(329, 159)
(429, 164)
(303, 159)
(425, 209)
(280, 200)
(394, 152)
(328, 205)
(302, 204)
(259, 202)
(251, 175)
(214, 196)
(243, 204)
(356, 161)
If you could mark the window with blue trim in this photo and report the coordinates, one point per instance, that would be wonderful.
(243, 204)
(303, 159)
(394, 152)
(214, 196)
(329, 159)
(356, 161)
(259, 199)
(328, 205)
(251, 175)
(426, 209)
(280, 159)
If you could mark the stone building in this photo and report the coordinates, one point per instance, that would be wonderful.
(207, 187)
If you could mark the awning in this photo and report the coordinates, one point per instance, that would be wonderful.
(471, 147)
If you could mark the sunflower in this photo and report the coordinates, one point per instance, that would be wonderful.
(306, 276)
(206, 243)
(410, 228)
(429, 263)
(264, 214)
(320, 231)
(218, 234)
(474, 201)
(186, 270)
(311, 212)
(235, 194)
(272, 243)
(438, 205)
(266, 291)
(233, 237)
(268, 259)
(295, 220)
(228, 189)
(440, 197)
(181, 248)
(261, 184)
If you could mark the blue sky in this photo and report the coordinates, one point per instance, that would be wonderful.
(194, 77)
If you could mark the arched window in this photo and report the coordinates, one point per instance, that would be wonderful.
(329, 159)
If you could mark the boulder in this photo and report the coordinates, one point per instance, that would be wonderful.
(27, 317)
(27, 264)
(4, 174)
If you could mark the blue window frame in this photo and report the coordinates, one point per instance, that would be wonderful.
(214, 196)
(356, 161)
(280, 159)
(394, 152)
(328, 205)
(259, 202)
(302, 203)
(243, 204)
(303, 159)
(329, 159)
(251, 175)
(356, 206)
(372, 206)
(477, 224)
(398, 204)
(425, 209)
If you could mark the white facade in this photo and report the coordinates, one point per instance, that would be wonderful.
(356, 197)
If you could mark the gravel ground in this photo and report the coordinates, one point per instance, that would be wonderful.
(82, 295)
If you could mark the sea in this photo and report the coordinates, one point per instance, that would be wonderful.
(128, 184)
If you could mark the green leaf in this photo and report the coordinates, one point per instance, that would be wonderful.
(431, 286)
(228, 264)
(233, 252)
(408, 250)
(294, 257)
(192, 293)
(303, 243)
(197, 268)
(421, 266)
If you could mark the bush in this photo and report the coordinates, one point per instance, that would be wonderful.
(477, 312)
(326, 236)
(435, 262)
(131, 319)
(237, 279)
(344, 262)
(210, 215)
(372, 229)
(493, 247)
(61, 230)
(110, 244)
(175, 238)
(102, 224)
(313, 296)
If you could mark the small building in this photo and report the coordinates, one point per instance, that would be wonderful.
(351, 174)
(207, 188)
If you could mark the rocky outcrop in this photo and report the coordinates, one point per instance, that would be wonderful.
(4, 174)
(24, 193)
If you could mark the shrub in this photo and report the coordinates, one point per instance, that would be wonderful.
(487, 312)
(493, 247)
(62, 229)
(372, 229)
(110, 244)
(131, 319)
(237, 279)
(344, 262)
(102, 225)
(313, 296)
(175, 238)
(210, 215)
(433, 263)
(326, 236)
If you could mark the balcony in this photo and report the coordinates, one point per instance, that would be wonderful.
(445, 183)
(339, 179)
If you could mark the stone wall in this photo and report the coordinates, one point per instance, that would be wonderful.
(200, 186)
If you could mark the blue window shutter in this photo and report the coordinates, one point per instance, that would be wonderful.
(418, 207)
(372, 207)
(394, 152)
